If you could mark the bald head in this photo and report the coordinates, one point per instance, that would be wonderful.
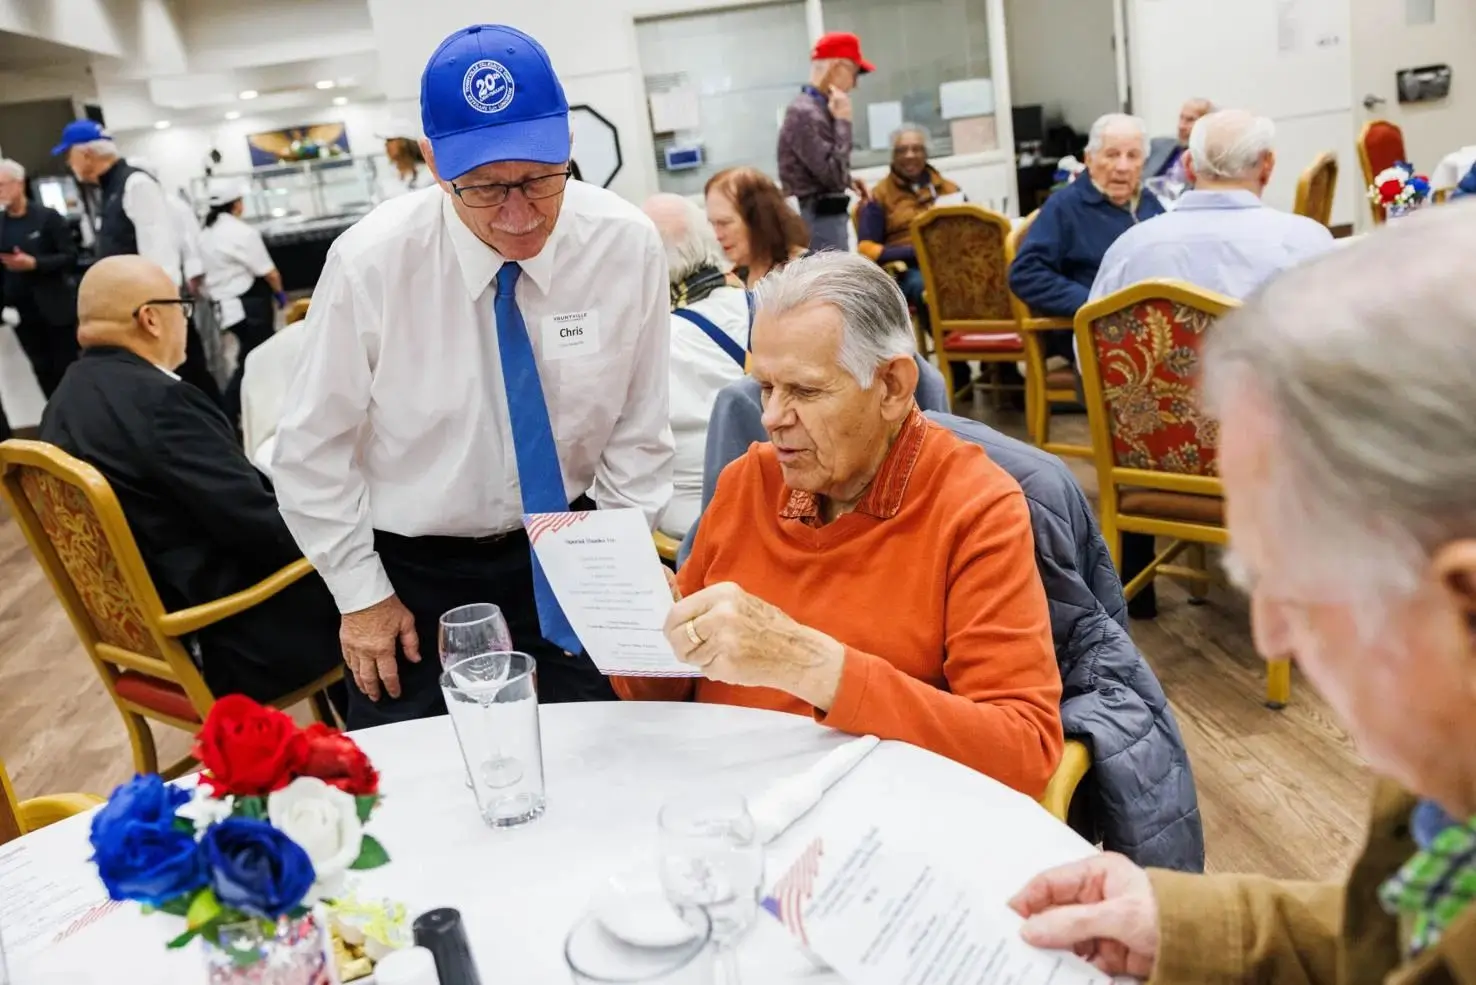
(112, 290)
(1232, 149)
(687, 235)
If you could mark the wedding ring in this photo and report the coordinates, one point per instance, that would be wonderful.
(692, 633)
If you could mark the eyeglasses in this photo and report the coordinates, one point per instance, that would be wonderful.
(186, 305)
(534, 188)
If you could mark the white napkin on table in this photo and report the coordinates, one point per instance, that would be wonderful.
(791, 798)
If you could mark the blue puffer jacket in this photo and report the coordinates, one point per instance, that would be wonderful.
(1140, 798)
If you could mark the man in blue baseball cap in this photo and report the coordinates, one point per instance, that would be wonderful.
(493, 346)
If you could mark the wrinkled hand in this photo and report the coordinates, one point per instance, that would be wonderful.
(368, 638)
(859, 187)
(747, 641)
(1102, 908)
(840, 104)
(18, 261)
(671, 583)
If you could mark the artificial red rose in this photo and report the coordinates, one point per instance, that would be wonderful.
(338, 761)
(1390, 190)
(248, 750)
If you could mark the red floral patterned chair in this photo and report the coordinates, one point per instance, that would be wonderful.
(76, 529)
(961, 250)
(1156, 450)
(1380, 146)
(1043, 387)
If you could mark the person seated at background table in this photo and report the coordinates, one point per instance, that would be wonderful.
(1467, 185)
(1166, 154)
(867, 566)
(1059, 259)
(264, 382)
(709, 341)
(1348, 476)
(753, 222)
(205, 521)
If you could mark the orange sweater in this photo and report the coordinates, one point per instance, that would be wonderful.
(931, 585)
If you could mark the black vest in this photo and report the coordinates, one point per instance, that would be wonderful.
(115, 232)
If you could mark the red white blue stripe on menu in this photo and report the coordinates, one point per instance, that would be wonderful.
(795, 889)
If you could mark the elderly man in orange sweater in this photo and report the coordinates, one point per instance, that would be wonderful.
(867, 567)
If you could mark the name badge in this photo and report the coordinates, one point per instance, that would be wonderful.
(575, 333)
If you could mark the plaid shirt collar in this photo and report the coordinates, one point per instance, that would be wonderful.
(1439, 883)
(883, 498)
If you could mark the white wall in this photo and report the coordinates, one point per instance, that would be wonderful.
(221, 35)
(1061, 57)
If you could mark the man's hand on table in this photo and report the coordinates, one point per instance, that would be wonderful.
(737, 638)
(368, 638)
(1102, 908)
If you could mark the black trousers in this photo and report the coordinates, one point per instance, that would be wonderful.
(258, 325)
(432, 575)
(1137, 553)
(195, 369)
(50, 348)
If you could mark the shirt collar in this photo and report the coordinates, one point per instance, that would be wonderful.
(479, 262)
(1236, 198)
(1095, 195)
(883, 498)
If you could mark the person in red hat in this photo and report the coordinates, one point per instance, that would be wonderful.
(815, 140)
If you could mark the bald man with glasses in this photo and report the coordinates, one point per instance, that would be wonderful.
(205, 520)
(493, 346)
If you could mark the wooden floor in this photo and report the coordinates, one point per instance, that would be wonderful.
(1282, 793)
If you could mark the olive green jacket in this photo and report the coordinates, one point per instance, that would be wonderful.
(1223, 929)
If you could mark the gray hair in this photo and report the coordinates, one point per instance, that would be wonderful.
(1098, 135)
(12, 169)
(1230, 144)
(102, 148)
(873, 311)
(907, 128)
(693, 245)
(1363, 362)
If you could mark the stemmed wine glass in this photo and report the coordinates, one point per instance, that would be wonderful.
(477, 630)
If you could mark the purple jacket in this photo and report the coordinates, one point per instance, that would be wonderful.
(814, 148)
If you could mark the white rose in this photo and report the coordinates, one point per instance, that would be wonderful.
(203, 810)
(324, 821)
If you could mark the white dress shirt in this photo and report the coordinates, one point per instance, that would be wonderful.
(393, 184)
(269, 370)
(397, 419)
(187, 230)
(235, 255)
(699, 369)
(147, 208)
(1453, 167)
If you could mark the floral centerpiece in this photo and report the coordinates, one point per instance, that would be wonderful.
(273, 826)
(1399, 189)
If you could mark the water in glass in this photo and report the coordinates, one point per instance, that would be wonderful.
(493, 701)
(710, 856)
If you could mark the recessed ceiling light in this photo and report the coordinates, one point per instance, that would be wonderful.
(326, 84)
(340, 100)
(234, 114)
(249, 93)
(161, 125)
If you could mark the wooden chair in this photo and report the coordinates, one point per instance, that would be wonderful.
(1380, 146)
(76, 528)
(1076, 762)
(961, 250)
(1043, 387)
(666, 547)
(1316, 189)
(1441, 195)
(896, 268)
(21, 817)
(297, 310)
(1156, 450)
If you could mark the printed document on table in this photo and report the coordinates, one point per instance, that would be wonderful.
(881, 915)
(43, 900)
(603, 568)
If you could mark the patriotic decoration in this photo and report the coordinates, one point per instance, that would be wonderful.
(1399, 187)
(795, 889)
(538, 524)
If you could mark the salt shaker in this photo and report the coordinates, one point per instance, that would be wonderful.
(440, 932)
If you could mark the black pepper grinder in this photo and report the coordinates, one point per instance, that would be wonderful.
(440, 932)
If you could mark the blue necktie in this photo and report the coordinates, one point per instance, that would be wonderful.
(539, 475)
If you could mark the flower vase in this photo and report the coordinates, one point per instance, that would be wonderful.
(248, 954)
(1392, 212)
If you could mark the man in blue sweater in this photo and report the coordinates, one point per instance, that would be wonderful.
(1057, 263)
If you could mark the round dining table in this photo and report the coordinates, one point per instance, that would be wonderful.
(609, 767)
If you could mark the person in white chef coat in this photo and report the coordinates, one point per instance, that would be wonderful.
(495, 345)
(407, 171)
(242, 279)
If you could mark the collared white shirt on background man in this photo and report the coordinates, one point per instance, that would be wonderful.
(146, 206)
(265, 381)
(699, 369)
(397, 419)
(187, 230)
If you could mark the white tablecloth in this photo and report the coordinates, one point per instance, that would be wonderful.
(609, 768)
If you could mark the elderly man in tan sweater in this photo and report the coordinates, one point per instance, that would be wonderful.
(1351, 484)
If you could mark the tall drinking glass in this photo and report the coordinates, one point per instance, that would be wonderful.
(597, 957)
(710, 856)
(472, 629)
(493, 701)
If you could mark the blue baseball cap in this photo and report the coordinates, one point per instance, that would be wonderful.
(80, 132)
(489, 93)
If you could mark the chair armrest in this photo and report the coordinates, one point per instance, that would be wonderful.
(38, 812)
(1076, 760)
(1033, 324)
(666, 546)
(197, 617)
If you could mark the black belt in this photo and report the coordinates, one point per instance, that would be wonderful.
(436, 545)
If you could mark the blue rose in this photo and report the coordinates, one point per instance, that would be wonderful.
(255, 868)
(138, 853)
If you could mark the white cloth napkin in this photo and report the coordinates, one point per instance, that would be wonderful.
(791, 798)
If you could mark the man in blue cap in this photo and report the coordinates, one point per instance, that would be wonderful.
(495, 345)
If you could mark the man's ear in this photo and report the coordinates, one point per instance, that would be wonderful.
(1453, 567)
(427, 152)
(898, 379)
(1268, 168)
